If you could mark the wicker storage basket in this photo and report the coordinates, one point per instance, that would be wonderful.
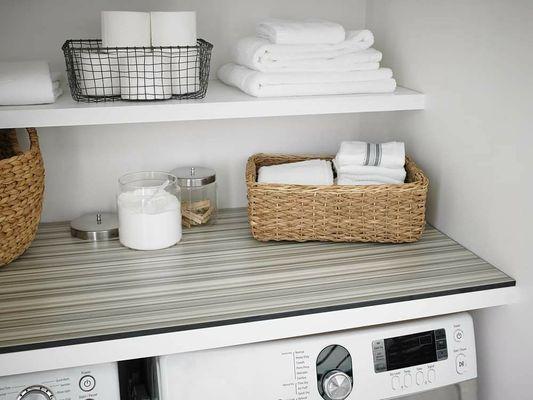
(21, 194)
(378, 213)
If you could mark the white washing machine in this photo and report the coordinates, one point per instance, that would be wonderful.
(94, 382)
(427, 359)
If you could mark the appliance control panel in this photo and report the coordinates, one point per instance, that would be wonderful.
(371, 363)
(95, 382)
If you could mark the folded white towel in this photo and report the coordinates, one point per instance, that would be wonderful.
(346, 180)
(386, 155)
(27, 82)
(298, 32)
(256, 52)
(261, 84)
(261, 79)
(393, 174)
(261, 55)
(310, 172)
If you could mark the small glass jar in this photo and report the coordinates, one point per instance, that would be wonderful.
(149, 210)
(198, 195)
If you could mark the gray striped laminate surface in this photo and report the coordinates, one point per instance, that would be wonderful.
(64, 290)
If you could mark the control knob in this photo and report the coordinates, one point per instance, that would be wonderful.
(36, 393)
(337, 385)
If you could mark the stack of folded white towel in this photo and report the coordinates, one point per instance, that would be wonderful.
(361, 163)
(356, 163)
(312, 57)
(28, 82)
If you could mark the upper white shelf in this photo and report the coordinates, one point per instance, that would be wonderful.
(221, 102)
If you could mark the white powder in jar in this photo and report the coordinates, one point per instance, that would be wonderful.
(149, 222)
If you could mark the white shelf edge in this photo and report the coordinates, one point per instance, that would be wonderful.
(221, 102)
(230, 335)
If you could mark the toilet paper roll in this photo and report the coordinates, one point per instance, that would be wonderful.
(125, 28)
(173, 28)
(98, 73)
(185, 71)
(145, 76)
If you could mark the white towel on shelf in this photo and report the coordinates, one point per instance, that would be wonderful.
(309, 172)
(98, 73)
(261, 84)
(386, 155)
(253, 51)
(371, 173)
(28, 82)
(258, 54)
(314, 31)
(151, 82)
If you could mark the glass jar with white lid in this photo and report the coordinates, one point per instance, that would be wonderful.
(198, 195)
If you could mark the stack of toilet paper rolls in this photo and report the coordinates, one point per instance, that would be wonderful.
(143, 72)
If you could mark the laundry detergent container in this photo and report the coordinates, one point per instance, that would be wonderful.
(338, 213)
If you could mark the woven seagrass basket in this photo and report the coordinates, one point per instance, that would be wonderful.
(377, 213)
(21, 193)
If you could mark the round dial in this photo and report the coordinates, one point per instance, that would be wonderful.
(36, 393)
(337, 385)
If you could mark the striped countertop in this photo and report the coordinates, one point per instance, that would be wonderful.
(66, 291)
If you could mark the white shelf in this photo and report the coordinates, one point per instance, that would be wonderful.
(221, 102)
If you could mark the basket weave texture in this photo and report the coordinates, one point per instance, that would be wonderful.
(338, 213)
(21, 194)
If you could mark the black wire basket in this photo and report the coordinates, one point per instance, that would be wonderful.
(97, 73)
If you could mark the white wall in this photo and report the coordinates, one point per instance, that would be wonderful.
(84, 163)
(473, 59)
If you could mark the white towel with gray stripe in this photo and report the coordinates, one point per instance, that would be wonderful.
(309, 172)
(385, 155)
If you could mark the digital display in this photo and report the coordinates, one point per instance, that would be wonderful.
(409, 350)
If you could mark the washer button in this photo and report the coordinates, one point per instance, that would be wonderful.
(419, 377)
(458, 335)
(460, 363)
(407, 380)
(431, 376)
(87, 383)
(395, 382)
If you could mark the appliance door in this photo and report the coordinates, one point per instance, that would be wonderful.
(466, 390)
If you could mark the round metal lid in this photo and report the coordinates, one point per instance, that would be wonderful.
(194, 176)
(95, 226)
